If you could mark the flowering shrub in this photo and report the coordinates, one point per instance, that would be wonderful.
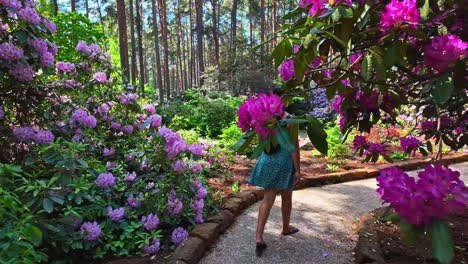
(104, 175)
(427, 201)
(373, 58)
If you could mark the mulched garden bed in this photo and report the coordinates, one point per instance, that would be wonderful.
(384, 241)
(312, 167)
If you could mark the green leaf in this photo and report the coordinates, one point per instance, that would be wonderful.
(56, 199)
(423, 152)
(284, 139)
(442, 243)
(258, 150)
(293, 13)
(34, 234)
(424, 10)
(48, 205)
(294, 121)
(243, 142)
(379, 65)
(366, 68)
(429, 146)
(317, 135)
(83, 164)
(442, 89)
(394, 54)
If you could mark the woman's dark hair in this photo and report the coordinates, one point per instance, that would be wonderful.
(277, 90)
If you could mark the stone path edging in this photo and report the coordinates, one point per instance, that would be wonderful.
(204, 235)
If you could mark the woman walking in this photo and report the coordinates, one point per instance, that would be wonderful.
(277, 173)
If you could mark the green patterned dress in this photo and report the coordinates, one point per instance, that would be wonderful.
(274, 171)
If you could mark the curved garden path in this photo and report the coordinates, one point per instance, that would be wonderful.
(325, 216)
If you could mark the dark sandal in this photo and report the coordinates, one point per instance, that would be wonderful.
(293, 231)
(259, 248)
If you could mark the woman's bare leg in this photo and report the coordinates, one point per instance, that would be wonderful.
(263, 213)
(286, 206)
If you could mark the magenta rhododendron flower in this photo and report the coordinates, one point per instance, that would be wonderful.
(368, 102)
(431, 125)
(91, 231)
(315, 6)
(409, 144)
(152, 248)
(375, 148)
(150, 222)
(437, 193)
(360, 142)
(179, 235)
(254, 113)
(116, 214)
(287, 71)
(105, 180)
(398, 12)
(443, 51)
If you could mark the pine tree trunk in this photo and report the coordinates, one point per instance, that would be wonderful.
(87, 8)
(73, 5)
(262, 27)
(133, 44)
(201, 64)
(162, 4)
(140, 48)
(123, 43)
(158, 76)
(233, 27)
(55, 7)
(214, 5)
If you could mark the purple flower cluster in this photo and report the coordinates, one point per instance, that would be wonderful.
(320, 105)
(255, 112)
(287, 71)
(108, 152)
(22, 72)
(101, 77)
(174, 142)
(201, 191)
(437, 193)
(368, 102)
(13, 4)
(443, 51)
(409, 144)
(150, 222)
(155, 120)
(116, 214)
(91, 231)
(130, 176)
(153, 248)
(49, 25)
(179, 235)
(398, 12)
(64, 67)
(46, 54)
(2, 112)
(10, 52)
(174, 205)
(431, 125)
(39, 136)
(315, 6)
(375, 148)
(179, 166)
(360, 142)
(134, 202)
(195, 167)
(81, 116)
(30, 15)
(105, 180)
(127, 98)
(150, 108)
(197, 207)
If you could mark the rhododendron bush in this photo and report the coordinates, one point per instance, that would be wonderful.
(88, 170)
(376, 59)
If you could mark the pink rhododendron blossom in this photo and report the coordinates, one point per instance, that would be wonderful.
(30, 15)
(444, 51)
(150, 222)
(398, 12)
(287, 71)
(116, 214)
(155, 120)
(10, 52)
(254, 113)
(437, 193)
(105, 180)
(150, 108)
(91, 231)
(100, 77)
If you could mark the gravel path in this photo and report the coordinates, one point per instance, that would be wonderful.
(325, 216)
